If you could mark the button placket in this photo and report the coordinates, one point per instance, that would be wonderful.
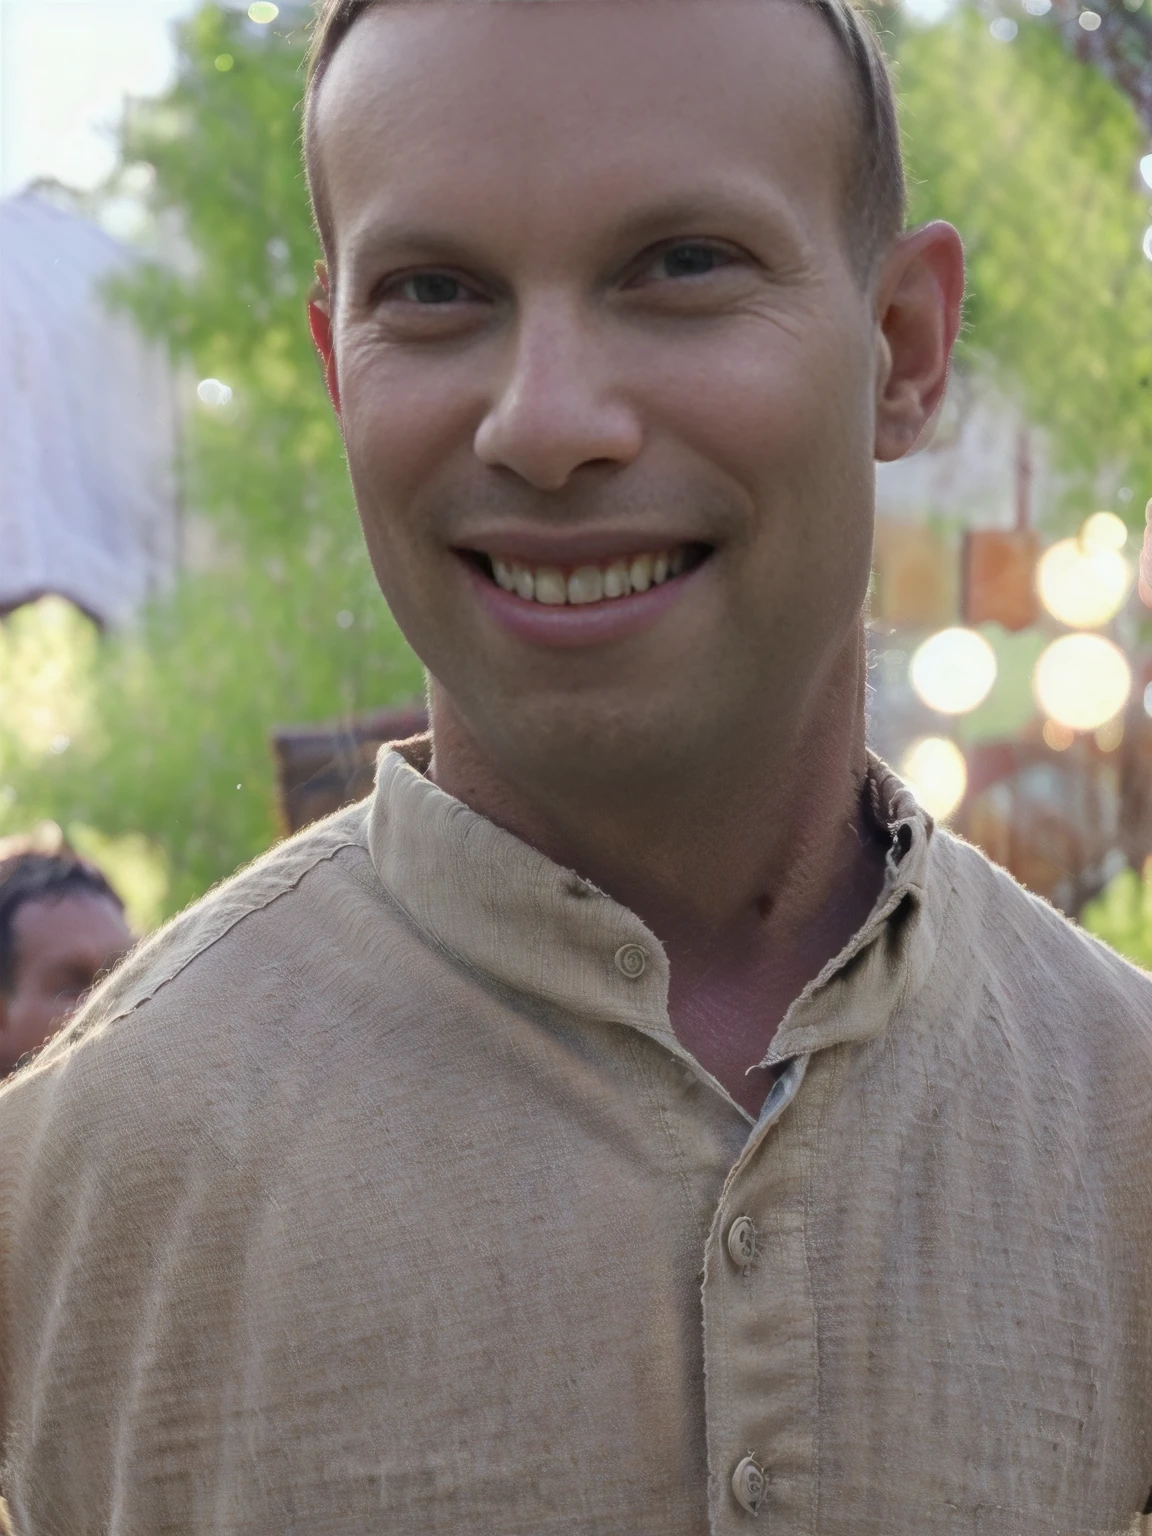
(755, 1331)
(631, 961)
(742, 1244)
(749, 1484)
(742, 1241)
(783, 1091)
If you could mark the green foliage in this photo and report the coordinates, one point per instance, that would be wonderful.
(1033, 156)
(224, 147)
(282, 621)
(1122, 916)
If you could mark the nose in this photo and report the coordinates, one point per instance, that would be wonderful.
(558, 407)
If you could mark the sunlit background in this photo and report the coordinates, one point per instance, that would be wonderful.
(65, 68)
(195, 657)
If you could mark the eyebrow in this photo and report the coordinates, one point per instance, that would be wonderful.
(732, 202)
(738, 200)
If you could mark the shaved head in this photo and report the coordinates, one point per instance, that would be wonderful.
(873, 181)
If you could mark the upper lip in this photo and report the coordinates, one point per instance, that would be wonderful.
(568, 547)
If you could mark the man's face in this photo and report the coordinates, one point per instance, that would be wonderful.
(595, 317)
(61, 945)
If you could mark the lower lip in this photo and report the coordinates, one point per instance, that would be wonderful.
(579, 624)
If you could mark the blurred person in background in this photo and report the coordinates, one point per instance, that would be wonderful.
(62, 926)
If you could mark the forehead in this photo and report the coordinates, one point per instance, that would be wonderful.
(81, 926)
(551, 99)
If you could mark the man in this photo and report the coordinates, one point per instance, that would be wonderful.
(61, 926)
(635, 1119)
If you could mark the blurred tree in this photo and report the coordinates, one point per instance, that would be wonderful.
(278, 619)
(1034, 158)
(1118, 44)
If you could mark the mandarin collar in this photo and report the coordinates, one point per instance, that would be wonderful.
(506, 911)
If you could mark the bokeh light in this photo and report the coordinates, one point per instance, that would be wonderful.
(213, 393)
(263, 11)
(1146, 244)
(1058, 736)
(1146, 170)
(1081, 681)
(935, 771)
(953, 671)
(1104, 530)
(1110, 735)
(1090, 20)
(926, 13)
(1083, 584)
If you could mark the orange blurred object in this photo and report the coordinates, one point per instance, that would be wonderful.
(915, 577)
(999, 580)
(1058, 737)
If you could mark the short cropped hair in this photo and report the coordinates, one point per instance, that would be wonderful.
(29, 874)
(875, 189)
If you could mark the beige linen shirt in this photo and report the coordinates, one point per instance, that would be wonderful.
(376, 1194)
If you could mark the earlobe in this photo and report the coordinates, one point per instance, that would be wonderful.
(320, 324)
(918, 313)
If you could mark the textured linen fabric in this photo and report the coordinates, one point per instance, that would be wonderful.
(376, 1194)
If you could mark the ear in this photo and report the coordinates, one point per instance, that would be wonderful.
(918, 299)
(320, 324)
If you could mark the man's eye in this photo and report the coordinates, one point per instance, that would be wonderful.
(689, 260)
(432, 288)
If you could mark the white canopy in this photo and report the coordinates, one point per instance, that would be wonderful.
(88, 422)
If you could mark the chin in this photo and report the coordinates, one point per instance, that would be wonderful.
(582, 737)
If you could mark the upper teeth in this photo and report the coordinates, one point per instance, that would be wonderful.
(588, 583)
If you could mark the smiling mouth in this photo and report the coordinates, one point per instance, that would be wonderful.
(577, 586)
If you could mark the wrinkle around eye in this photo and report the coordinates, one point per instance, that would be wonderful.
(397, 310)
(721, 258)
(433, 290)
(427, 288)
(735, 281)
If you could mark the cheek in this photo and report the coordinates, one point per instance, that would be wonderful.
(789, 420)
(404, 421)
(783, 414)
(408, 433)
(31, 1015)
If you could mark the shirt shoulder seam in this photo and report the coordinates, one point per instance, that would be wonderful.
(149, 973)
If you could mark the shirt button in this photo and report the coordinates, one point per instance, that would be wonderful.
(749, 1484)
(631, 961)
(742, 1242)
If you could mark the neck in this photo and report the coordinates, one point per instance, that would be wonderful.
(754, 864)
(768, 819)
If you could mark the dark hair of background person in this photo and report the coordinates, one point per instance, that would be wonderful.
(875, 190)
(31, 875)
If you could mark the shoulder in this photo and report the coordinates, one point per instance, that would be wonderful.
(257, 924)
(1037, 966)
(261, 1012)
